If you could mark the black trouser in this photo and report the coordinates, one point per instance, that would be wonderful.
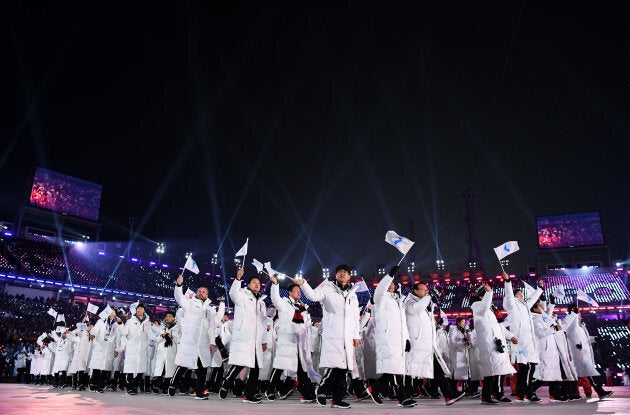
(251, 386)
(216, 377)
(333, 382)
(524, 378)
(133, 382)
(598, 388)
(99, 377)
(491, 386)
(395, 382)
(445, 384)
(200, 373)
(305, 386)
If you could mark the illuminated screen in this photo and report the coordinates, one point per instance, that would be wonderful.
(65, 194)
(564, 231)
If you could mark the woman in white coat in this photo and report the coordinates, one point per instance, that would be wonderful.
(391, 338)
(63, 351)
(458, 346)
(491, 342)
(249, 336)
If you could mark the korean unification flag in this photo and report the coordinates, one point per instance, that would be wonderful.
(272, 271)
(92, 308)
(191, 265)
(581, 295)
(106, 312)
(506, 249)
(51, 312)
(258, 265)
(361, 287)
(243, 250)
(399, 242)
(60, 318)
(559, 292)
(133, 307)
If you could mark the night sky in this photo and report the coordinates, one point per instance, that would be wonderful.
(313, 129)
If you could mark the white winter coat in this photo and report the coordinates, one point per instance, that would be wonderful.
(104, 344)
(458, 353)
(293, 340)
(165, 356)
(390, 329)
(135, 342)
(487, 329)
(63, 351)
(520, 315)
(80, 337)
(578, 334)
(197, 331)
(249, 327)
(423, 337)
(340, 323)
(549, 340)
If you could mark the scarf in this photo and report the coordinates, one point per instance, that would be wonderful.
(297, 313)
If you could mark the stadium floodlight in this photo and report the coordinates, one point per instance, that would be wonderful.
(353, 273)
(325, 272)
(215, 259)
(161, 248)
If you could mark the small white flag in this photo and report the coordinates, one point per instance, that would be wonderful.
(443, 316)
(559, 292)
(60, 317)
(243, 250)
(133, 306)
(399, 242)
(105, 313)
(506, 249)
(92, 308)
(272, 271)
(258, 265)
(581, 295)
(361, 287)
(191, 265)
(51, 312)
(528, 289)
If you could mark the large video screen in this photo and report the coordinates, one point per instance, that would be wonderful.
(564, 231)
(65, 194)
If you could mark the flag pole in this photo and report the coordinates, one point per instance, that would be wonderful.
(401, 259)
(501, 265)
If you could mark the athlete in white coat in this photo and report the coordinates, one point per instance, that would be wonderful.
(521, 325)
(166, 342)
(249, 336)
(491, 338)
(392, 339)
(425, 360)
(582, 349)
(293, 343)
(340, 333)
(134, 342)
(196, 343)
(105, 338)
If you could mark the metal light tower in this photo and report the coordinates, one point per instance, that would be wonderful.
(475, 258)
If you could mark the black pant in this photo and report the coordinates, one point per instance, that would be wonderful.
(133, 382)
(251, 386)
(99, 377)
(395, 382)
(524, 378)
(492, 386)
(305, 386)
(445, 384)
(200, 372)
(333, 382)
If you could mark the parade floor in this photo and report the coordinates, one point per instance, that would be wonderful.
(17, 399)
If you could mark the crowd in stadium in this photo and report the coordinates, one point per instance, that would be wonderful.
(26, 328)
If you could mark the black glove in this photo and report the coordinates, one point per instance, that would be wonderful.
(579, 346)
(407, 345)
(393, 271)
(552, 299)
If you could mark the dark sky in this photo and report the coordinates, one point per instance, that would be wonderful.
(314, 129)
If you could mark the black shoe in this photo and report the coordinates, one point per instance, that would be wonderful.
(559, 399)
(534, 398)
(605, 394)
(270, 396)
(375, 398)
(407, 403)
(340, 404)
(489, 401)
(203, 397)
(286, 394)
(129, 391)
(451, 401)
(254, 399)
(171, 391)
(321, 400)
(223, 393)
